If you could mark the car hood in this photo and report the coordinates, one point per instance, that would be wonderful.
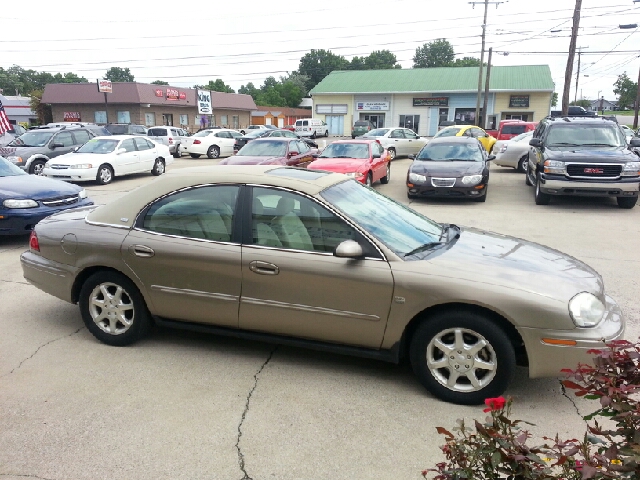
(507, 262)
(35, 187)
(78, 158)
(599, 155)
(339, 165)
(249, 160)
(452, 169)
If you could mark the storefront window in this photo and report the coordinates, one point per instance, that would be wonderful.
(443, 115)
(123, 117)
(465, 116)
(184, 119)
(149, 119)
(410, 121)
(100, 117)
(236, 122)
(167, 119)
(223, 121)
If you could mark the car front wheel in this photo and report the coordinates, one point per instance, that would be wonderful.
(158, 167)
(541, 197)
(105, 175)
(113, 309)
(462, 357)
(392, 154)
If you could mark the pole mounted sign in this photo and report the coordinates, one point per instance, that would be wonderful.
(104, 86)
(204, 102)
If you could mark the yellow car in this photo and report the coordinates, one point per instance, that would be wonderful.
(486, 140)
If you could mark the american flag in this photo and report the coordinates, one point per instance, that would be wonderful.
(4, 120)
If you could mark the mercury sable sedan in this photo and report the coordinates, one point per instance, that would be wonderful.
(316, 259)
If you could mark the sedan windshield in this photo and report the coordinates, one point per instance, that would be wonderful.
(98, 146)
(264, 148)
(32, 139)
(443, 152)
(447, 132)
(585, 136)
(400, 228)
(8, 169)
(346, 150)
(378, 132)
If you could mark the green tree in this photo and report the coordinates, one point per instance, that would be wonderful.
(466, 62)
(159, 82)
(438, 53)
(317, 64)
(117, 74)
(17, 80)
(249, 89)
(554, 99)
(42, 110)
(381, 60)
(217, 86)
(357, 63)
(583, 102)
(626, 89)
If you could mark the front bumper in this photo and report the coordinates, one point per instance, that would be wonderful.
(561, 185)
(51, 277)
(425, 190)
(546, 360)
(20, 221)
(72, 174)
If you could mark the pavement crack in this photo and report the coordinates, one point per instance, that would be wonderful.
(37, 350)
(15, 281)
(24, 476)
(564, 392)
(245, 475)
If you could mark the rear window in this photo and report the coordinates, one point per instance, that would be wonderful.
(362, 124)
(157, 132)
(118, 129)
(302, 123)
(513, 129)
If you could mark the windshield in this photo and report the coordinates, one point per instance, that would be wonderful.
(440, 152)
(32, 139)
(400, 228)
(378, 132)
(264, 148)
(8, 169)
(346, 150)
(118, 129)
(585, 136)
(447, 132)
(98, 146)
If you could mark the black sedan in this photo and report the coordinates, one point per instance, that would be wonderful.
(452, 167)
(264, 133)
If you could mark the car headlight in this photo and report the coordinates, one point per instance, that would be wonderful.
(354, 174)
(82, 165)
(14, 203)
(82, 194)
(554, 166)
(471, 179)
(631, 169)
(15, 159)
(416, 178)
(586, 310)
(503, 148)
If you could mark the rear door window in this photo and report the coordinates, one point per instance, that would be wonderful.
(81, 136)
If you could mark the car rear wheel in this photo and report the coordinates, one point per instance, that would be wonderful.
(213, 152)
(627, 202)
(540, 197)
(113, 309)
(177, 154)
(392, 153)
(522, 164)
(37, 167)
(384, 180)
(462, 357)
(104, 175)
(158, 167)
(194, 155)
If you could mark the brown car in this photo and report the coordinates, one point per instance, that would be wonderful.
(315, 259)
(273, 151)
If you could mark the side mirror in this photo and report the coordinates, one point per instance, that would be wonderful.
(75, 149)
(412, 156)
(56, 145)
(121, 150)
(491, 157)
(535, 142)
(635, 142)
(348, 249)
(315, 155)
(375, 155)
(293, 153)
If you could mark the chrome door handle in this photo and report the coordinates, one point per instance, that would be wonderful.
(264, 268)
(142, 251)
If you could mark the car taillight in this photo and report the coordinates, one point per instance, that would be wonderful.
(33, 241)
(170, 140)
(196, 142)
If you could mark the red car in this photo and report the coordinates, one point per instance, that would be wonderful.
(290, 127)
(365, 160)
(273, 151)
(512, 128)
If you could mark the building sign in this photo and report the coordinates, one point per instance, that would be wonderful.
(372, 106)
(431, 102)
(71, 116)
(519, 101)
(204, 102)
(159, 92)
(172, 94)
(183, 96)
(104, 86)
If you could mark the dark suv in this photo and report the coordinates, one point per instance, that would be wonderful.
(31, 150)
(583, 156)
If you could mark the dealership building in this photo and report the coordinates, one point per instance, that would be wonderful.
(422, 98)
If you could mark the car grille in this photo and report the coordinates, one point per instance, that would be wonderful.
(593, 170)
(59, 167)
(58, 201)
(443, 182)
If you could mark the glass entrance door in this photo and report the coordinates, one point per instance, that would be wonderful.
(376, 120)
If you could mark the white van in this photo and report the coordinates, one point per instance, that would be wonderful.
(311, 127)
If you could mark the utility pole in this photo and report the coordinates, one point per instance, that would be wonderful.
(575, 99)
(568, 74)
(485, 103)
(484, 29)
(635, 107)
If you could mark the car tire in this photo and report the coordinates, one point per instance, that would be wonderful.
(527, 178)
(37, 167)
(384, 180)
(313, 135)
(105, 174)
(540, 197)
(127, 318)
(177, 154)
(522, 165)
(158, 167)
(444, 343)
(353, 137)
(627, 202)
(213, 151)
(392, 154)
(194, 155)
(326, 133)
(369, 181)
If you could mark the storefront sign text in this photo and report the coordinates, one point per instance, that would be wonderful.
(519, 101)
(431, 102)
(372, 106)
(71, 116)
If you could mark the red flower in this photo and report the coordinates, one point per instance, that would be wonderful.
(494, 404)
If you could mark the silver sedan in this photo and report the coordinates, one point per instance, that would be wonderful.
(514, 152)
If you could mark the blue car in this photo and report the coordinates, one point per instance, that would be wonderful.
(26, 199)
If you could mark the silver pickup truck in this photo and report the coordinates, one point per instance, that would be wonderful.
(172, 137)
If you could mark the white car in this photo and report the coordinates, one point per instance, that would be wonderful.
(212, 142)
(628, 132)
(102, 158)
(400, 142)
(514, 152)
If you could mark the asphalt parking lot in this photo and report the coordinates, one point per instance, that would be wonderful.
(191, 406)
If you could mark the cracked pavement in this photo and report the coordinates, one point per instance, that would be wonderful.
(182, 405)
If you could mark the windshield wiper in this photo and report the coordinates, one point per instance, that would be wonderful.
(600, 145)
(422, 248)
(565, 145)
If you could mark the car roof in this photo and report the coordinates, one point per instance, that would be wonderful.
(355, 140)
(116, 137)
(580, 120)
(122, 212)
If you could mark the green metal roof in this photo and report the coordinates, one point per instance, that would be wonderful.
(443, 79)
